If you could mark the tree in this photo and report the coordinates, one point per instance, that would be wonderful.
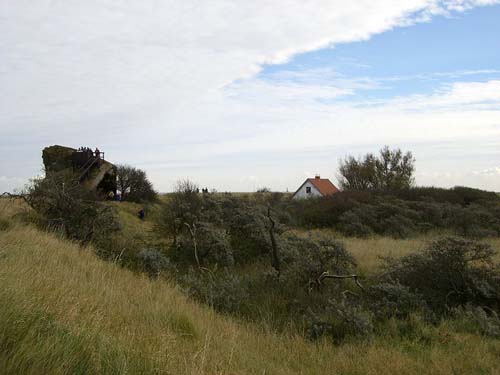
(134, 184)
(394, 170)
(182, 207)
(65, 205)
(391, 170)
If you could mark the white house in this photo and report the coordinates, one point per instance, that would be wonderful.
(314, 188)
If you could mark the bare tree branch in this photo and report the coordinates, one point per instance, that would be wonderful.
(275, 262)
(318, 282)
(192, 232)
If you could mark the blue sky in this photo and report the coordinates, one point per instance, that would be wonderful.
(239, 95)
(415, 59)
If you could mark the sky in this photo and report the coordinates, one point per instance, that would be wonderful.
(238, 95)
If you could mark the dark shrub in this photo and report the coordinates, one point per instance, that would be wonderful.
(398, 226)
(401, 213)
(340, 320)
(248, 228)
(306, 258)
(457, 195)
(352, 223)
(153, 262)
(180, 208)
(387, 300)
(224, 292)
(212, 246)
(390, 218)
(450, 272)
(479, 321)
(134, 184)
(473, 221)
(64, 204)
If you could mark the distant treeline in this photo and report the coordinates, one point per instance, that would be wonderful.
(401, 213)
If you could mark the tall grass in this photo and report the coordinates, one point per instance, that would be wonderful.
(369, 252)
(63, 310)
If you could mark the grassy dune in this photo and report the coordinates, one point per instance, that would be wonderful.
(65, 311)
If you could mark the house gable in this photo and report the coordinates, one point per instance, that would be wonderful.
(315, 187)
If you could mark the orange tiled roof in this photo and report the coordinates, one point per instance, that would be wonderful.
(324, 186)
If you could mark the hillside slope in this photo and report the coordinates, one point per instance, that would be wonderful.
(64, 310)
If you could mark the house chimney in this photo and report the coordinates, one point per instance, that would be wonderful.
(317, 177)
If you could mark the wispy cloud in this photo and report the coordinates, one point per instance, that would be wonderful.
(494, 171)
(145, 79)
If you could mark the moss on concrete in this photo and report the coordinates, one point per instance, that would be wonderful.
(57, 158)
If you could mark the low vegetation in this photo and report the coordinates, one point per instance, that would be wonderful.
(404, 213)
(234, 254)
(96, 317)
(400, 280)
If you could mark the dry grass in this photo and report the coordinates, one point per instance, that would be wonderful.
(369, 251)
(65, 311)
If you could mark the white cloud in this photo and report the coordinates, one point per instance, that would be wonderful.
(146, 80)
(474, 95)
(458, 111)
(494, 171)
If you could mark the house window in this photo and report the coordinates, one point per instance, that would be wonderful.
(308, 190)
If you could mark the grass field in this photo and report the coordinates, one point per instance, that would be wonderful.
(66, 311)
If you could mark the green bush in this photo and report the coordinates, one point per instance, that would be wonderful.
(212, 246)
(478, 320)
(352, 224)
(65, 205)
(248, 228)
(341, 320)
(401, 213)
(223, 291)
(450, 272)
(393, 300)
(153, 262)
(134, 185)
(304, 259)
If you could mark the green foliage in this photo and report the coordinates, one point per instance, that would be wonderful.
(402, 214)
(134, 184)
(153, 262)
(450, 272)
(457, 195)
(353, 225)
(65, 205)
(182, 207)
(393, 300)
(212, 246)
(474, 221)
(385, 217)
(224, 291)
(340, 320)
(248, 228)
(226, 229)
(233, 237)
(391, 170)
(306, 258)
(476, 319)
